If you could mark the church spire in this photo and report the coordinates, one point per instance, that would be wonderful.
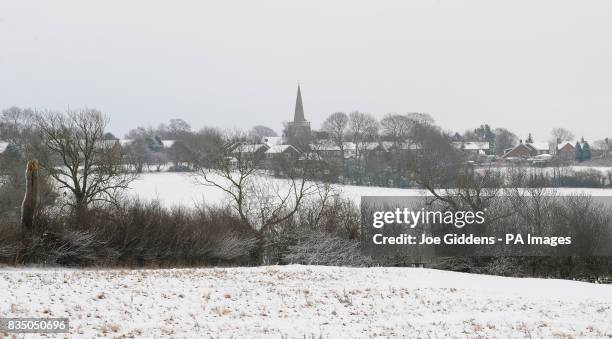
(299, 108)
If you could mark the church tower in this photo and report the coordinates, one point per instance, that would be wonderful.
(298, 131)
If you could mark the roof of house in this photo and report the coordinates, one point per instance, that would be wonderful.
(328, 145)
(280, 149)
(534, 146)
(561, 145)
(403, 146)
(250, 148)
(539, 146)
(471, 145)
(509, 151)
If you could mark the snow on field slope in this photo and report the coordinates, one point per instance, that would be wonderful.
(306, 301)
(173, 189)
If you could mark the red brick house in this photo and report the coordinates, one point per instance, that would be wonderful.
(527, 150)
(566, 151)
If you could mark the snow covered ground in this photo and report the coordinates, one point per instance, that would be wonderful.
(306, 301)
(174, 189)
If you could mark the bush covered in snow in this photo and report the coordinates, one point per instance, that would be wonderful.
(134, 234)
(319, 248)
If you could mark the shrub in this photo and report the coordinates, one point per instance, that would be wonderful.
(136, 234)
(10, 245)
(586, 178)
(320, 248)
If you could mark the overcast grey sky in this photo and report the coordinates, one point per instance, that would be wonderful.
(525, 65)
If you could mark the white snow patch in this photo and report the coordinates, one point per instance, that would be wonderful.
(173, 189)
(306, 301)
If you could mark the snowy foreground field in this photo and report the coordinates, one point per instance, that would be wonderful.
(306, 301)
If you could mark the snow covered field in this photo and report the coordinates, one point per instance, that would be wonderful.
(306, 301)
(174, 189)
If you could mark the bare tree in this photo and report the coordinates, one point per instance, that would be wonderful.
(81, 161)
(504, 139)
(178, 128)
(142, 132)
(200, 149)
(260, 201)
(421, 118)
(138, 154)
(439, 167)
(159, 160)
(15, 125)
(561, 134)
(336, 126)
(604, 145)
(363, 128)
(396, 128)
(259, 132)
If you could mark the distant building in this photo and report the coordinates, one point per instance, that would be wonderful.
(566, 151)
(251, 150)
(528, 150)
(472, 149)
(298, 131)
(284, 150)
(330, 150)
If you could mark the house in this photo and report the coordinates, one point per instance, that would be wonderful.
(280, 157)
(331, 150)
(566, 151)
(250, 151)
(472, 149)
(405, 146)
(527, 150)
(285, 151)
(540, 147)
(519, 151)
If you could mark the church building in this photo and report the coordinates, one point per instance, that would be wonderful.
(298, 131)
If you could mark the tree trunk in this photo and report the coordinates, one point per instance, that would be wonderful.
(30, 200)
